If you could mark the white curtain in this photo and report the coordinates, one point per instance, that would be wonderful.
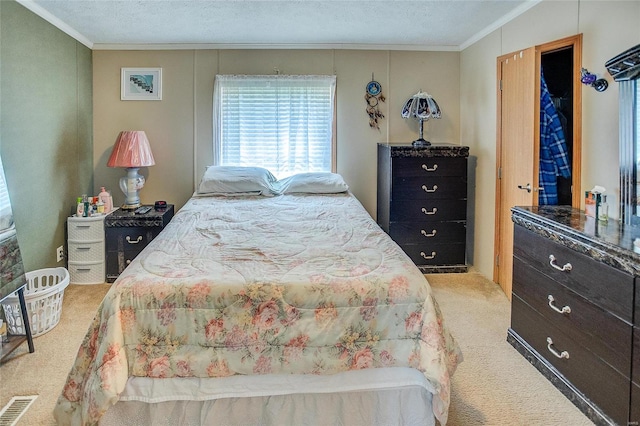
(281, 122)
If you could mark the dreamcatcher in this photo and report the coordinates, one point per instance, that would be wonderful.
(373, 97)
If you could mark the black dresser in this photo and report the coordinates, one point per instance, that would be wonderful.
(575, 308)
(127, 233)
(422, 203)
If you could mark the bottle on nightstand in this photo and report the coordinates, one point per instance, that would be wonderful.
(105, 197)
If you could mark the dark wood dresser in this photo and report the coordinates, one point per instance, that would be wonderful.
(575, 312)
(422, 203)
(128, 233)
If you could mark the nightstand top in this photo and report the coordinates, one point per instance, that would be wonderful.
(127, 218)
(434, 150)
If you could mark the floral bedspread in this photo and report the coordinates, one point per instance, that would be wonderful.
(300, 284)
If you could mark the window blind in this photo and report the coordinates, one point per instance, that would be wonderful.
(282, 123)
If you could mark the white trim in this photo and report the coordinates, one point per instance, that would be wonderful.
(499, 23)
(242, 46)
(62, 26)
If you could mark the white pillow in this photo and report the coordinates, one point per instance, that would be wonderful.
(235, 179)
(313, 183)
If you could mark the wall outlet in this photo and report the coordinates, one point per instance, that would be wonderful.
(60, 254)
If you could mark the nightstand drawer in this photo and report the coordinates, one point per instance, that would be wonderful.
(598, 381)
(84, 229)
(87, 272)
(589, 325)
(435, 254)
(428, 232)
(130, 239)
(429, 166)
(428, 210)
(420, 188)
(86, 251)
(601, 284)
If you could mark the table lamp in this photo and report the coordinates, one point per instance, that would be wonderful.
(131, 151)
(422, 107)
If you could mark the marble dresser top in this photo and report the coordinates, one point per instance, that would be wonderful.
(434, 150)
(609, 242)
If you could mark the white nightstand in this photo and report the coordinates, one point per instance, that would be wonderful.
(85, 240)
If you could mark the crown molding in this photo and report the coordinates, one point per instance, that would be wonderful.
(499, 23)
(62, 26)
(281, 46)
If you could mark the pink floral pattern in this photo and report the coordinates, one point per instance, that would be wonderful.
(261, 285)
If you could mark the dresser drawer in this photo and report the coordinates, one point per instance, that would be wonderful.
(428, 210)
(409, 188)
(86, 251)
(85, 229)
(635, 367)
(435, 254)
(587, 324)
(603, 385)
(601, 284)
(428, 232)
(634, 416)
(429, 166)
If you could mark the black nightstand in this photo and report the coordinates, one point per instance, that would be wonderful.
(127, 233)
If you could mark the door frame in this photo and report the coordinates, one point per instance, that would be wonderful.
(576, 164)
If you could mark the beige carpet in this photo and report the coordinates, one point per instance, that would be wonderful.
(493, 386)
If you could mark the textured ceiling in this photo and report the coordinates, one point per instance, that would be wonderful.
(427, 24)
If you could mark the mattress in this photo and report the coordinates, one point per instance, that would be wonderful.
(252, 285)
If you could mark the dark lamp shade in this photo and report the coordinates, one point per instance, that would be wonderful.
(421, 106)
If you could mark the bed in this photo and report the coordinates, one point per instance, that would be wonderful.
(277, 306)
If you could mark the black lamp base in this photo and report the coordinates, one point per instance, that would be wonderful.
(421, 142)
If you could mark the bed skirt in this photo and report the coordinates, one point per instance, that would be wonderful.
(386, 396)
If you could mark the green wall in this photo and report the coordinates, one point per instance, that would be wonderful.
(45, 128)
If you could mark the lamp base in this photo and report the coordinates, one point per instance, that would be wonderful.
(130, 206)
(130, 185)
(421, 142)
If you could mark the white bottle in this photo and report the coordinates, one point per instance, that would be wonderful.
(105, 197)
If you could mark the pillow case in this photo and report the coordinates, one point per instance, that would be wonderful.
(236, 179)
(313, 183)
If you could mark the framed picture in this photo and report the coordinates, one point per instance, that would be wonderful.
(141, 84)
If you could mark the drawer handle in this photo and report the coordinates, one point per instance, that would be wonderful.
(565, 268)
(432, 169)
(433, 210)
(434, 189)
(128, 261)
(136, 241)
(433, 254)
(83, 248)
(83, 269)
(83, 226)
(564, 310)
(563, 354)
(431, 234)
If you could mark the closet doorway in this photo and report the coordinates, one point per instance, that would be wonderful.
(518, 135)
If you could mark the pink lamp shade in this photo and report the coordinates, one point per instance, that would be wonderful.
(132, 149)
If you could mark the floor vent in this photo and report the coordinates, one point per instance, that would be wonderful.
(12, 412)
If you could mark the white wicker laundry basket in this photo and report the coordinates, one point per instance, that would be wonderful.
(43, 296)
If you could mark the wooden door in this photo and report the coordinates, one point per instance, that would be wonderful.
(518, 121)
(518, 142)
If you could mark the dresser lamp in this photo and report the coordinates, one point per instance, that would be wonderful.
(131, 151)
(422, 107)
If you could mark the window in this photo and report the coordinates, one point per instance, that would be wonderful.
(283, 123)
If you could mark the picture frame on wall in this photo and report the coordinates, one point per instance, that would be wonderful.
(141, 84)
